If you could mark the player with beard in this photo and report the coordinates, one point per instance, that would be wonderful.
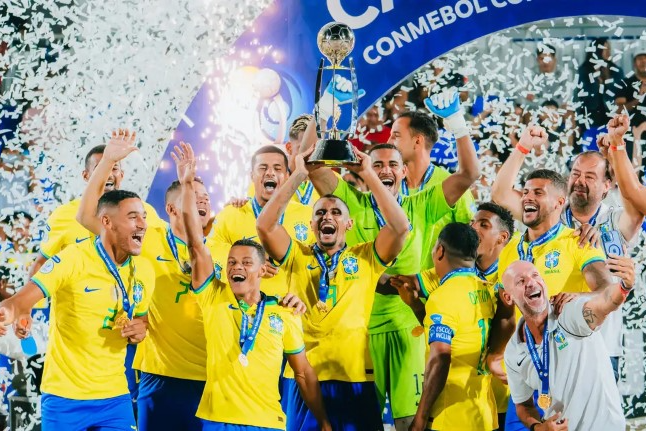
(172, 359)
(551, 246)
(248, 332)
(588, 184)
(101, 290)
(558, 355)
(268, 174)
(337, 282)
(396, 345)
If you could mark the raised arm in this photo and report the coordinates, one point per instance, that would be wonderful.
(392, 236)
(633, 193)
(435, 375)
(597, 276)
(502, 189)
(201, 262)
(604, 302)
(118, 147)
(324, 180)
(447, 106)
(271, 233)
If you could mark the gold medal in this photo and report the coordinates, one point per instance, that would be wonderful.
(322, 306)
(243, 360)
(417, 331)
(121, 321)
(544, 401)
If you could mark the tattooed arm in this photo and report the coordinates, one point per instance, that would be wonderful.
(607, 298)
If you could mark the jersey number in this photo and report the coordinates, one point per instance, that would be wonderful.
(484, 325)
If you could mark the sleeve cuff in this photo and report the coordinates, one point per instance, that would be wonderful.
(43, 254)
(589, 261)
(296, 351)
(278, 263)
(422, 288)
(142, 314)
(206, 282)
(381, 262)
(41, 286)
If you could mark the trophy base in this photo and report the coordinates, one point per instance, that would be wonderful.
(333, 153)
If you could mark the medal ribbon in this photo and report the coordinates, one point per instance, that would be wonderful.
(112, 269)
(248, 337)
(305, 197)
(381, 221)
(547, 236)
(427, 176)
(569, 217)
(170, 238)
(455, 272)
(324, 281)
(542, 366)
(483, 274)
(257, 208)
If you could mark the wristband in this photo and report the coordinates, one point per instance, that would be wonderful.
(522, 149)
(533, 426)
(618, 147)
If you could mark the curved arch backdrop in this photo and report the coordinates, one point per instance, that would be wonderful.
(268, 78)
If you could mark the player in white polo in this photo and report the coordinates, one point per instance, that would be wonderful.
(575, 384)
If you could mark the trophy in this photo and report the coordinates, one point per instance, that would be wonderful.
(335, 41)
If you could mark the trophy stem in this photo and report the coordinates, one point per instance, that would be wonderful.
(317, 97)
(355, 99)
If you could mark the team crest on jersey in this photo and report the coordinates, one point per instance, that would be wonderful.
(217, 270)
(559, 338)
(138, 292)
(552, 259)
(275, 324)
(301, 231)
(350, 265)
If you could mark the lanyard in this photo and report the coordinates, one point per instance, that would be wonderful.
(381, 221)
(170, 238)
(569, 216)
(324, 280)
(547, 236)
(248, 337)
(257, 208)
(456, 272)
(112, 269)
(307, 196)
(427, 176)
(542, 366)
(483, 274)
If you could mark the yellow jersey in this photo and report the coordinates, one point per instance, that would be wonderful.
(336, 338)
(175, 345)
(232, 224)
(62, 229)
(237, 394)
(86, 352)
(306, 194)
(559, 259)
(459, 313)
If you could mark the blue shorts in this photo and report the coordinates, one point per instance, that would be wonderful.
(168, 403)
(349, 406)
(512, 422)
(219, 426)
(109, 414)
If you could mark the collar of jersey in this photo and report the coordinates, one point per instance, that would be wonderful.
(558, 232)
(246, 308)
(552, 322)
(458, 272)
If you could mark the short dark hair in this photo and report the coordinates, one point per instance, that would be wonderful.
(639, 54)
(15, 216)
(460, 241)
(545, 48)
(422, 124)
(547, 174)
(175, 185)
(299, 125)
(114, 197)
(246, 242)
(597, 154)
(550, 102)
(99, 149)
(384, 147)
(504, 215)
(331, 196)
(268, 149)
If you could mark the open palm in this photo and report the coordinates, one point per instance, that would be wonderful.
(121, 143)
(185, 162)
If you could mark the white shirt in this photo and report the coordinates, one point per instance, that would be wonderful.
(582, 383)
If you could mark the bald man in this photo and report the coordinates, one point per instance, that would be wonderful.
(562, 356)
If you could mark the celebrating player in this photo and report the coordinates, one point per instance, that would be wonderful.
(247, 333)
(337, 282)
(101, 290)
(172, 358)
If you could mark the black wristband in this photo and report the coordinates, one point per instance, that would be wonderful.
(533, 426)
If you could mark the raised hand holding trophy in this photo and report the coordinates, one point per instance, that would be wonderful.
(335, 41)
